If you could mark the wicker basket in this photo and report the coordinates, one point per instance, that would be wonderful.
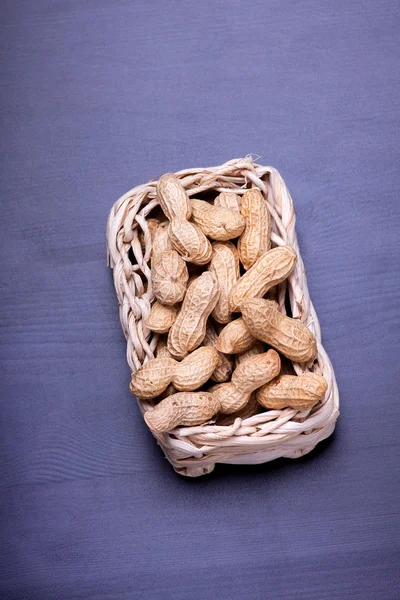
(194, 451)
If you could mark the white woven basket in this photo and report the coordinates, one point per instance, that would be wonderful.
(194, 451)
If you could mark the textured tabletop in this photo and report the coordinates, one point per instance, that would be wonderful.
(97, 97)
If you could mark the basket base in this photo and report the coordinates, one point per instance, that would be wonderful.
(195, 471)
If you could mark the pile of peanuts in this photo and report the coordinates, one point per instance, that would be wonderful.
(212, 362)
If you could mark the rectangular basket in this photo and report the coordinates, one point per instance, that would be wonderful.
(194, 451)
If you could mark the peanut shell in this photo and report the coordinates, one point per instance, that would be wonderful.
(160, 240)
(217, 222)
(273, 267)
(189, 329)
(173, 198)
(230, 398)
(300, 393)
(247, 377)
(161, 317)
(228, 200)
(169, 277)
(183, 408)
(196, 368)
(152, 378)
(249, 410)
(257, 348)
(189, 240)
(289, 336)
(256, 370)
(225, 266)
(161, 349)
(235, 338)
(256, 238)
(224, 370)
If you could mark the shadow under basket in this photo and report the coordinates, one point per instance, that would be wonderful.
(289, 433)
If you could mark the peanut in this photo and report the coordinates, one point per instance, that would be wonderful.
(225, 266)
(260, 367)
(189, 329)
(172, 197)
(235, 338)
(256, 238)
(184, 408)
(160, 240)
(153, 377)
(169, 271)
(247, 377)
(162, 352)
(156, 375)
(228, 200)
(258, 348)
(273, 267)
(290, 336)
(190, 242)
(229, 397)
(249, 410)
(169, 277)
(300, 392)
(217, 222)
(161, 349)
(186, 238)
(223, 372)
(161, 317)
(196, 368)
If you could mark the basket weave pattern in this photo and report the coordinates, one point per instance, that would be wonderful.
(193, 451)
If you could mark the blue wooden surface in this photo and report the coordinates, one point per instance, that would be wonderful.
(97, 97)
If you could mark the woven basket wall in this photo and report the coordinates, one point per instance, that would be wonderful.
(193, 451)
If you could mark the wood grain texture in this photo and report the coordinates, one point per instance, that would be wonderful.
(97, 97)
